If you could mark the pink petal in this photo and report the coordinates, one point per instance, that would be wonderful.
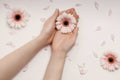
(110, 12)
(47, 7)
(51, 0)
(64, 30)
(78, 4)
(59, 27)
(96, 5)
(7, 6)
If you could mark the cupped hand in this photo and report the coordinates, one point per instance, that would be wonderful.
(64, 42)
(48, 30)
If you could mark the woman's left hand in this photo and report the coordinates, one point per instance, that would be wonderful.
(48, 31)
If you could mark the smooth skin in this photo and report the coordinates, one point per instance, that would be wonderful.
(11, 64)
(62, 43)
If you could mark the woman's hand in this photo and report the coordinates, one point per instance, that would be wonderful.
(62, 43)
(48, 30)
(11, 64)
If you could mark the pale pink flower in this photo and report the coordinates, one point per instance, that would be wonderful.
(110, 61)
(17, 18)
(66, 23)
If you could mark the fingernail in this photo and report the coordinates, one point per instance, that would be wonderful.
(55, 12)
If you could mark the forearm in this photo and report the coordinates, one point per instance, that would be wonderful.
(11, 64)
(55, 67)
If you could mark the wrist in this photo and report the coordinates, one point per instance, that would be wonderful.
(59, 54)
(41, 41)
(44, 39)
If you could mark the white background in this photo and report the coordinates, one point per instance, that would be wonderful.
(99, 32)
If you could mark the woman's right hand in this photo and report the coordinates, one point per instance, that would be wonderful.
(62, 43)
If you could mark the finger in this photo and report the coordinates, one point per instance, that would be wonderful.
(73, 12)
(63, 11)
(75, 15)
(55, 15)
(70, 11)
(52, 36)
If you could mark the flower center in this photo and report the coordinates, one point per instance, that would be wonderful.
(110, 60)
(66, 23)
(17, 17)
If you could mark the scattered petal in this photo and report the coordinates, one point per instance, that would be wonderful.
(96, 5)
(47, 7)
(12, 33)
(25, 68)
(51, 1)
(110, 12)
(10, 44)
(95, 55)
(112, 37)
(81, 66)
(7, 6)
(82, 69)
(45, 49)
(99, 28)
(78, 5)
(103, 43)
(69, 59)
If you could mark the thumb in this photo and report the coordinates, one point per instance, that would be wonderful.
(55, 15)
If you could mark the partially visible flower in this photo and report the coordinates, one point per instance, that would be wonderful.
(66, 23)
(110, 61)
(17, 18)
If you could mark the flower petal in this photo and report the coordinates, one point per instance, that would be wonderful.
(64, 30)
(59, 27)
(58, 23)
(17, 24)
(108, 65)
(63, 17)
